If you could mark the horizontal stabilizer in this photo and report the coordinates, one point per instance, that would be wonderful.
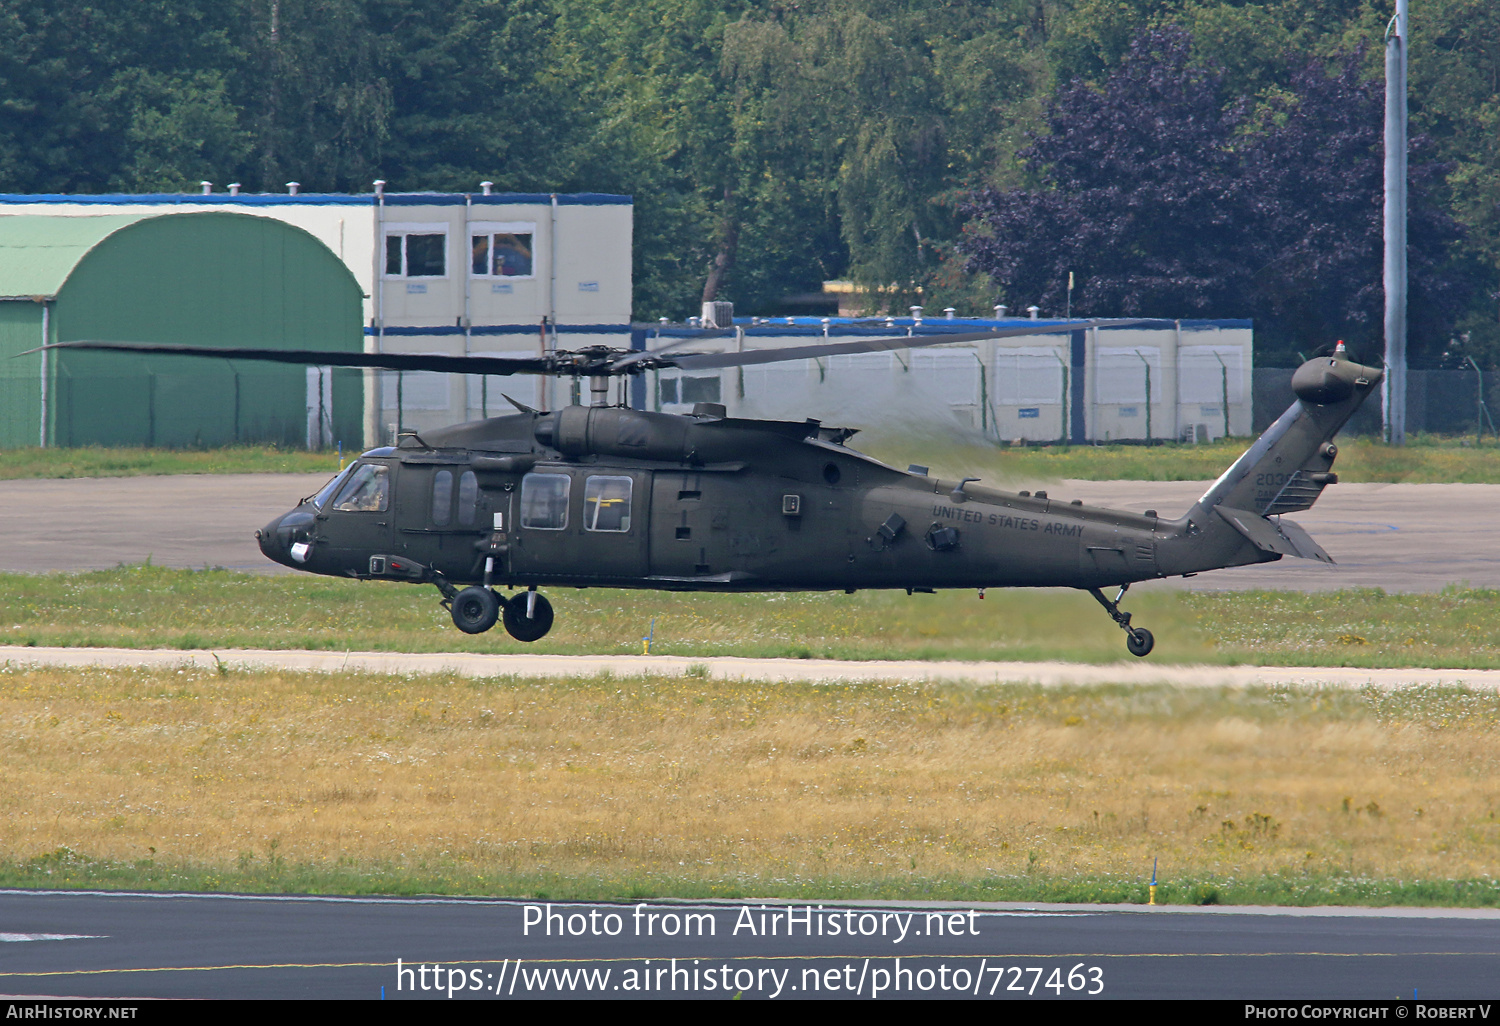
(1279, 536)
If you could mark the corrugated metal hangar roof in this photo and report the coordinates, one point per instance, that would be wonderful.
(37, 252)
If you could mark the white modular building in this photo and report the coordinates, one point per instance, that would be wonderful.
(451, 273)
(505, 273)
(1150, 379)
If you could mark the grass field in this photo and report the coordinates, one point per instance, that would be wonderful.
(641, 787)
(153, 607)
(1426, 460)
(132, 462)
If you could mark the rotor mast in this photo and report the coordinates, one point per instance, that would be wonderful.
(598, 390)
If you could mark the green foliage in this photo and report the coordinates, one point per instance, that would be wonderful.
(769, 146)
(66, 869)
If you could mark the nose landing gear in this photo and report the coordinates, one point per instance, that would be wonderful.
(1137, 639)
(475, 610)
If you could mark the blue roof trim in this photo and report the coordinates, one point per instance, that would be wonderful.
(439, 199)
(844, 327)
(444, 199)
(586, 199)
(802, 327)
(504, 329)
(267, 199)
(255, 199)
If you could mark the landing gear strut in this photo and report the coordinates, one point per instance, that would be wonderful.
(1137, 639)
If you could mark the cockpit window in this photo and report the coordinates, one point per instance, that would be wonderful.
(544, 501)
(326, 492)
(367, 491)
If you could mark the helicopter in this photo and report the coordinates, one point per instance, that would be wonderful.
(608, 496)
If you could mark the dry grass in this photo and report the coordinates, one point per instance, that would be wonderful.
(740, 788)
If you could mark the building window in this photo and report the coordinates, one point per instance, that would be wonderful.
(606, 504)
(502, 250)
(544, 501)
(700, 390)
(416, 251)
(687, 390)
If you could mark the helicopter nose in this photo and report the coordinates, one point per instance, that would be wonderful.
(287, 539)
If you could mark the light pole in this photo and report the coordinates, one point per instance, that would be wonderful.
(1395, 227)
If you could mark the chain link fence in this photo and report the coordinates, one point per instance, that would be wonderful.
(1438, 402)
(275, 406)
(173, 410)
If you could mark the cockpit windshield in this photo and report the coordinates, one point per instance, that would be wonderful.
(367, 490)
(326, 492)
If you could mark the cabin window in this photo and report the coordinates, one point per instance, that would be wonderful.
(468, 498)
(368, 490)
(606, 504)
(442, 498)
(544, 501)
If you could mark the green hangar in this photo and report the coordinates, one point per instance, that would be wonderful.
(206, 278)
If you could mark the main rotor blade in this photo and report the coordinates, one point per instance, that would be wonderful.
(622, 364)
(707, 361)
(593, 361)
(316, 357)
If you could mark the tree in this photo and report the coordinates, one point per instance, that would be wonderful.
(1315, 167)
(1168, 199)
(134, 99)
(317, 92)
(874, 115)
(1136, 195)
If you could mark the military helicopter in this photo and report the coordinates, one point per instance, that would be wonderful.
(607, 496)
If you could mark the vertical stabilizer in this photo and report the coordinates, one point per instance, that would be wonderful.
(1288, 466)
(1284, 471)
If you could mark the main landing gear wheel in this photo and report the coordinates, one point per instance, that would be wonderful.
(1140, 642)
(528, 616)
(475, 610)
(1137, 639)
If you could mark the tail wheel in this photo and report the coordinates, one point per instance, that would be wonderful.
(475, 610)
(1140, 642)
(528, 628)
